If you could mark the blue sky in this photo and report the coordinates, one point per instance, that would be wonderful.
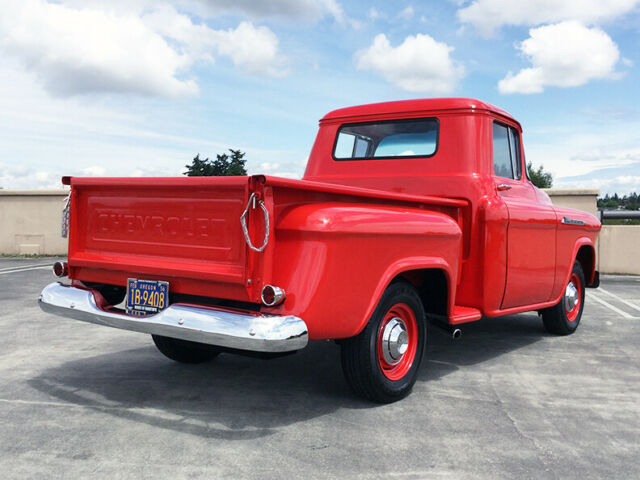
(138, 87)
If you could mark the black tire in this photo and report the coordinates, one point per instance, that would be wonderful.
(366, 370)
(560, 319)
(185, 351)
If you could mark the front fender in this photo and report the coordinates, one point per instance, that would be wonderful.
(334, 260)
(565, 266)
(571, 237)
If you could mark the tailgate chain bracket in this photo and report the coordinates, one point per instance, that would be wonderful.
(64, 233)
(243, 222)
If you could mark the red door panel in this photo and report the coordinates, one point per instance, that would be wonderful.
(531, 248)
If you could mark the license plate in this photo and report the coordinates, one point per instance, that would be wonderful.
(145, 297)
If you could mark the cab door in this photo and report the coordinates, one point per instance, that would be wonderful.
(531, 233)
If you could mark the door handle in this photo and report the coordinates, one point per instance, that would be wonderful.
(503, 186)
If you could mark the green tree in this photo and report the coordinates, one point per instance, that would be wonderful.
(539, 177)
(628, 202)
(223, 165)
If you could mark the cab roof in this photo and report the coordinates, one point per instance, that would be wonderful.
(415, 106)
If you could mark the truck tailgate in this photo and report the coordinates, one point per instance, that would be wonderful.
(183, 230)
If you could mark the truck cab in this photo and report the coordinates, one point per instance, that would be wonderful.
(517, 247)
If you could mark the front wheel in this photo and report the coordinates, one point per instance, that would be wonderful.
(184, 351)
(382, 362)
(564, 317)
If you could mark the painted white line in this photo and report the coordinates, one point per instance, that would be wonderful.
(591, 296)
(26, 270)
(25, 266)
(632, 305)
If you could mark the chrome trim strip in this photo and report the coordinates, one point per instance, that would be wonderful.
(571, 221)
(258, 333)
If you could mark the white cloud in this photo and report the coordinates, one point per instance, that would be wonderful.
(374, 14)
(296, 9)
(77, 51)
(419, 64)
(407, 13)
(488, 15)
(269, 167)
(25, 178)
(252, 49)
(581, 155)
(306, 10)
(566, 54)
(92, 49)
(620, 184)
(94, 171)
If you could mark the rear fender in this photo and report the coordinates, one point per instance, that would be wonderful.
(335, 260)
(409, 265)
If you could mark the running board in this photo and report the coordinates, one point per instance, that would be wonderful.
(464, 315)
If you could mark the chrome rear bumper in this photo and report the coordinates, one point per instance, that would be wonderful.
(222, 328)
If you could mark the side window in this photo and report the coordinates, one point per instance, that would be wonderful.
(526, 170)
(352, 146)
(507, 162)
(361, 147)
(344, 145)
(502, 166)
(514, 142)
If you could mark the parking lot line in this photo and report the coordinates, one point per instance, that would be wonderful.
(25, 266)
(632, 305)
(25, 269)
(592, 296)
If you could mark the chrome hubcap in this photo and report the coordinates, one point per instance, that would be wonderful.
(395, 340)
(570, 297)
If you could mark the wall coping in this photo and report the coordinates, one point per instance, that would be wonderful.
(32, 193)
(571, 191)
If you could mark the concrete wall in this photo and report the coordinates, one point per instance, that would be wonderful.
(30, 222)
(585, 199)
(619, 249)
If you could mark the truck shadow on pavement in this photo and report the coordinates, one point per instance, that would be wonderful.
(240, 398)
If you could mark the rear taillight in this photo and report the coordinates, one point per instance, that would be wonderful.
(60, 269)
(272, 296)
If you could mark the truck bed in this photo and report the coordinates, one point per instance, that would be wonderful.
(187, 231)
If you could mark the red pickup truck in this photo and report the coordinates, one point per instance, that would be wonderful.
(407, 211)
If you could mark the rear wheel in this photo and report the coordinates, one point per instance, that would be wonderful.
(564, 318)
(185, 351)
(382, 362)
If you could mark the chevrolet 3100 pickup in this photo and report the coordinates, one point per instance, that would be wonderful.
(408, 211)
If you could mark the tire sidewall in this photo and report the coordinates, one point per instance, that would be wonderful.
(572, 326)
(400, 292)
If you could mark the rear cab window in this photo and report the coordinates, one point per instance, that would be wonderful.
(387, 139)
(507, 161)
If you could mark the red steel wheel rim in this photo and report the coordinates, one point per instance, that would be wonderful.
(396, 362)
(573, 300)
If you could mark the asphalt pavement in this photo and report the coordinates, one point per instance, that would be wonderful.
(506, 400)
